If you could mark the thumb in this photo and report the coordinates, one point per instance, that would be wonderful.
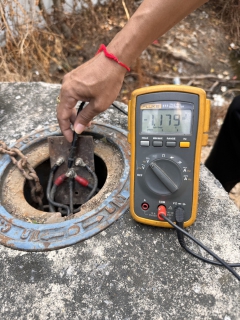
(84, 117)
(79, 128)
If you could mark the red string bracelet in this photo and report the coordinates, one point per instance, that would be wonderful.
(111, 56)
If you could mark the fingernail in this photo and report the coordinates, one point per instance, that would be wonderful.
(79, 128)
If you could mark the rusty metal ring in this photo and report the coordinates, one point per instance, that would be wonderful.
(22, 235)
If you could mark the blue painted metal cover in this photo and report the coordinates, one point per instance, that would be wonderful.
(22, 235)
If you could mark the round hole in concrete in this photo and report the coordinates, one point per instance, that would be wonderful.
(23, 227)
(43, 170)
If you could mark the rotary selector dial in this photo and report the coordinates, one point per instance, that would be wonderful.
(163, 176)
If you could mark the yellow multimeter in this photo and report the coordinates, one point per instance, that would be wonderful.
(168, 125)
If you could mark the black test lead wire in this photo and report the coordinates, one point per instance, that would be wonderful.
(71, 160)
(74, 142)
(221, 262)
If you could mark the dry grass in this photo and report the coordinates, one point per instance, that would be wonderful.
(34, 54)
(230, 14)
(27, 49)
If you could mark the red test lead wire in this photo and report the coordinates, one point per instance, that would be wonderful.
(84, 182)
(161, 210)
(60, 179)
(111, 56)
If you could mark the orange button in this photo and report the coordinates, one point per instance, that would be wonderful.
(184, 144)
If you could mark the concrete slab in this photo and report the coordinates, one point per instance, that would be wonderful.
(129, 271)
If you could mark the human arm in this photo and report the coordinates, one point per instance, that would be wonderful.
(99, 80)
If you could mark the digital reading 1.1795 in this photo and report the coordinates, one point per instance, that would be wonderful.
(168, 125)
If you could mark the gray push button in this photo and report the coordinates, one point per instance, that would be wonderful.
(157, 143)
(144, 143)
(171, 144)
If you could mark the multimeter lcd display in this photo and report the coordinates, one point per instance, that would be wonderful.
(167, 117)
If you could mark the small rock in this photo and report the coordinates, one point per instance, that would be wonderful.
(55, 218)
(223, 88)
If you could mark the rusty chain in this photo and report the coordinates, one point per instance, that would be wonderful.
(27, 171)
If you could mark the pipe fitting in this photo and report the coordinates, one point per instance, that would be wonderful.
(71, 173)
(60, 161)
(79, 162)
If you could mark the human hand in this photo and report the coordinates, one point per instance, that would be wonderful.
(98, 82)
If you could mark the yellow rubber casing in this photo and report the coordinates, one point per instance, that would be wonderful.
(201, 140)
